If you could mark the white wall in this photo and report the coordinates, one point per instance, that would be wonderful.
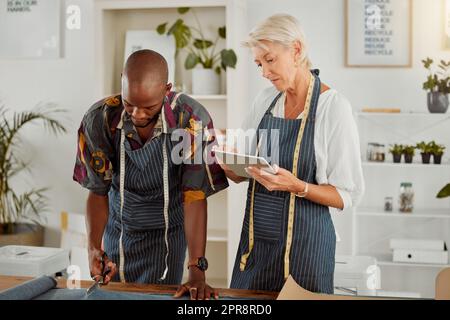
(67, 81)
(323, 24)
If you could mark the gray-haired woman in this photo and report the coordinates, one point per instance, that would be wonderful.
(287, 228)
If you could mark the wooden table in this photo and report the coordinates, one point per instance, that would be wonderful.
(12, 281)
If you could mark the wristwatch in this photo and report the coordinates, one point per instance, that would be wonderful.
(303, 193)
(200, 263)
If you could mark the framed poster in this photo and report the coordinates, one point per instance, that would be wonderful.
(378, 33)
(447, 25)
(150, 39)
(29, 29)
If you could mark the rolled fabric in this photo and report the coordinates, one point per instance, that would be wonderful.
(29, 290)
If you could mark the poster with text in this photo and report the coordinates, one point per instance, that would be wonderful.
(378, 33)
(29, 29)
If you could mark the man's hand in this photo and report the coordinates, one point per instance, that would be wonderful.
(99, 269)
(197, 286)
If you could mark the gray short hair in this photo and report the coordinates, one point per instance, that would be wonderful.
(280, 28)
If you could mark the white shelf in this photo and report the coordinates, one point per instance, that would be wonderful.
(414, 165)
(386, 260)
(209, 97)
(403, 114)
(215, 235)
(417, 213)
(414, 265)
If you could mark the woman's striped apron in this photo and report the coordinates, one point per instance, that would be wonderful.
(275, 243)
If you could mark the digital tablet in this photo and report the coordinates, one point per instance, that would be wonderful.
(238, 162)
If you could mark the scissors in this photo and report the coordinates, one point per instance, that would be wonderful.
(99, 279)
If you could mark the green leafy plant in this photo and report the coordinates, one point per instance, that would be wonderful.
(15, 207)
(437, 81)
(396, 149)
(201, 50)
(445, 192)
(424, 147)
(409, 150)
(436, 149)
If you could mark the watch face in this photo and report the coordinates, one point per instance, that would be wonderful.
(202, 263)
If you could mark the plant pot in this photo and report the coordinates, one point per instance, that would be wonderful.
(426, 157)
(437, 102)
(205, 81)
(23, 234)
(397, 157)
(408, 158)
(437, 158)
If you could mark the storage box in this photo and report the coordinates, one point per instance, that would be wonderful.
(420, 256)
(32, 261)
(418, 244)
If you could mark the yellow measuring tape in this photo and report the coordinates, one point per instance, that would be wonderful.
(245, 256)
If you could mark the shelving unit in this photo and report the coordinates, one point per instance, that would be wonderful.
(414, 165)
(372, 227)
(112, 19)
(416, 214)
(221, 97)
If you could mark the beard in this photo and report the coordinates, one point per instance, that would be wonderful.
(145, 123)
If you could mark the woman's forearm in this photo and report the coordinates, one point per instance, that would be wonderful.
(326, 195)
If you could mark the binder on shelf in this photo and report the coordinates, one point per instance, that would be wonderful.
(418, 244)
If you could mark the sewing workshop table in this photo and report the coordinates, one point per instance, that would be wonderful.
(125, 291)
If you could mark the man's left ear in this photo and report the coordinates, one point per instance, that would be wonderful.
(168, 88)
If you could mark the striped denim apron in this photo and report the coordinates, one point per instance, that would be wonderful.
(143, 223)
(312, 251)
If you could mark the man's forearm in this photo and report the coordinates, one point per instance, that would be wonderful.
(195, 222)
(96, 219)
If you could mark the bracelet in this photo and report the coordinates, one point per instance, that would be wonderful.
(303, 193)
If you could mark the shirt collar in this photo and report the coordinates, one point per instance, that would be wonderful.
(165, 121)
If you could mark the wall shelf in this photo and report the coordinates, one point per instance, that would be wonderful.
(414, 165)
(404, 114)
(385, 260)
(417, 213)
(413, 265)
(372, 227)
(220, 97)
(112, 20)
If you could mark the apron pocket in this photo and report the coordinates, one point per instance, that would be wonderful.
(267, 216)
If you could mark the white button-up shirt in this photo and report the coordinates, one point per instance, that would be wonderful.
(336, 141)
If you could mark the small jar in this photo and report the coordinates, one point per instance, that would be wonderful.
(371, 151)
(380, 153)
(388, 204)
(406, 197)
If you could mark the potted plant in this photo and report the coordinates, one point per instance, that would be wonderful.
(397, 151)
(201, 52)
(425, 151)
(409, 152)
(20, 220)
(437, 150)
(438, 86)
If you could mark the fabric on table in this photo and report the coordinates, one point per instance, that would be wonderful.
(29, 290)
(44, 288)
(80, 294)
